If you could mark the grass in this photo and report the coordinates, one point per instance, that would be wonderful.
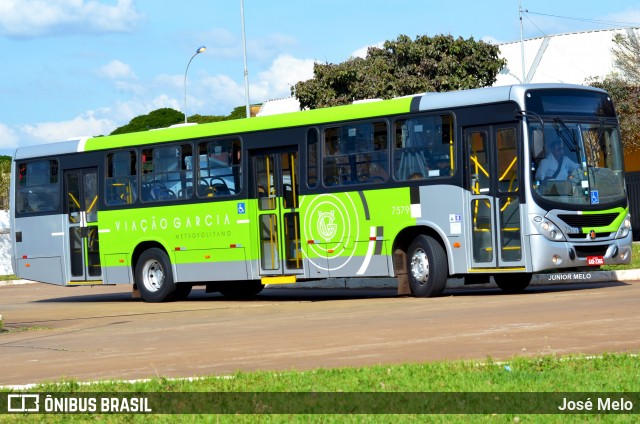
(8, 277)
(635, 261)
(553, 375)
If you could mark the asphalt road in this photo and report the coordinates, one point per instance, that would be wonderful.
(98, 333)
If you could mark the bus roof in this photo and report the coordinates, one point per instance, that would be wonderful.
(419, 102)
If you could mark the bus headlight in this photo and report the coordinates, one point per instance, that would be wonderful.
(625, 228)
(548, 229)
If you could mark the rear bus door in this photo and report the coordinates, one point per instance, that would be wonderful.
(81, 188)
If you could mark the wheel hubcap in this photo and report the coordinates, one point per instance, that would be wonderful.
(420, 266)
(153, 276)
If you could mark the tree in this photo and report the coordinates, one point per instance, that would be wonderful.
(5, 181)
(624, 87)
(163, 118)
(160, 118)
(626, 56)
(402, 67)
(626, 97)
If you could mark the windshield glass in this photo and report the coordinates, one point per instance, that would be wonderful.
(576, 162)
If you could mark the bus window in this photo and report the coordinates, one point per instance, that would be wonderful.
(38, 187)
(220, 170)
(121, 178)
(165, 176)
(424, 148)
(355, 154)
(312, 158)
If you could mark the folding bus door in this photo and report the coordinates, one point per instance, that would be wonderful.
(494, 188)
(275, 180)
(81, 188)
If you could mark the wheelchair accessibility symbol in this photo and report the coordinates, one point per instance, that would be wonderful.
(595, 197)
(241, 208)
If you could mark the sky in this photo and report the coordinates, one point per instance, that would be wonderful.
(71, 68)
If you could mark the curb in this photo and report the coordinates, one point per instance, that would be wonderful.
(452, 283)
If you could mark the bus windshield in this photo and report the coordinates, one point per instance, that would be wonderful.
(577, 162)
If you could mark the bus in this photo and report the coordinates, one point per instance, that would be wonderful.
(499, 182)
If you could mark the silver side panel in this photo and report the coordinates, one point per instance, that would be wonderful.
(51, 149)
(40, 255)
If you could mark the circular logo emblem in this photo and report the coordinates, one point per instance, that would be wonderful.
(331, 221)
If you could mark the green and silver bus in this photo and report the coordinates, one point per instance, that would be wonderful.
(498, 182)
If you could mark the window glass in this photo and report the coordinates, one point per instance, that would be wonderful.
(120, 181)
(38, 186)
(312, 158)
(165, 174)
(424, 148)
(507, 160)
(219, 170)
(355, 154)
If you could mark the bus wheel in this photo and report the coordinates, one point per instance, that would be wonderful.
(154, 277)
(513, 283)
(241, 290)
(428, 268)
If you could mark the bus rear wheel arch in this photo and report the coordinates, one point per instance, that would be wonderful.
(153, 276)
(427, 266)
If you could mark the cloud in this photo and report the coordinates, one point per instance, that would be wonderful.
(8, 137)
(87, 124)
(41, 18)
(117, 70)
(285, 71)
(362, 51)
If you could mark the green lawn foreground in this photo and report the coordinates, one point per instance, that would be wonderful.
(550, 374)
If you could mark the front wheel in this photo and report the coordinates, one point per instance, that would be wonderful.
(154, 277)
(428, 269)
(513, 283)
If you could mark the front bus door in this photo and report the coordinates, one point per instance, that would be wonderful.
(81, 188)
(276, 183)
(494, 188)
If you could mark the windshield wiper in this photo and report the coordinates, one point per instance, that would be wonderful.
(573, 143)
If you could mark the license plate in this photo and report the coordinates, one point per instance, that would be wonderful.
(595, 260)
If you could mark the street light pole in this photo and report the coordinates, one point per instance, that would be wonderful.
(246, 70)
(200, 50)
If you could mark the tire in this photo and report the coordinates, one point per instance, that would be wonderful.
(513, 283)
(427, 265)
(241, 290)
(154, 277)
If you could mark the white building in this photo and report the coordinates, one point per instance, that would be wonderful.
(567, 58)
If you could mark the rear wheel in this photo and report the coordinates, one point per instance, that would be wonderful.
(428, 269)
(513, 283)
(154, 277)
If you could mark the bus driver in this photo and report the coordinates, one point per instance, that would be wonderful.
(557, 166)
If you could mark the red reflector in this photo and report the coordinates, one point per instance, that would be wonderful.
(24, 256)
(311, 241)
(232, 246)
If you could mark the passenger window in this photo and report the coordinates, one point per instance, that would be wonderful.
(121, 178)
(424, 148)
(38, 186)
(355, 154)
(219, 168)
(165, 176)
